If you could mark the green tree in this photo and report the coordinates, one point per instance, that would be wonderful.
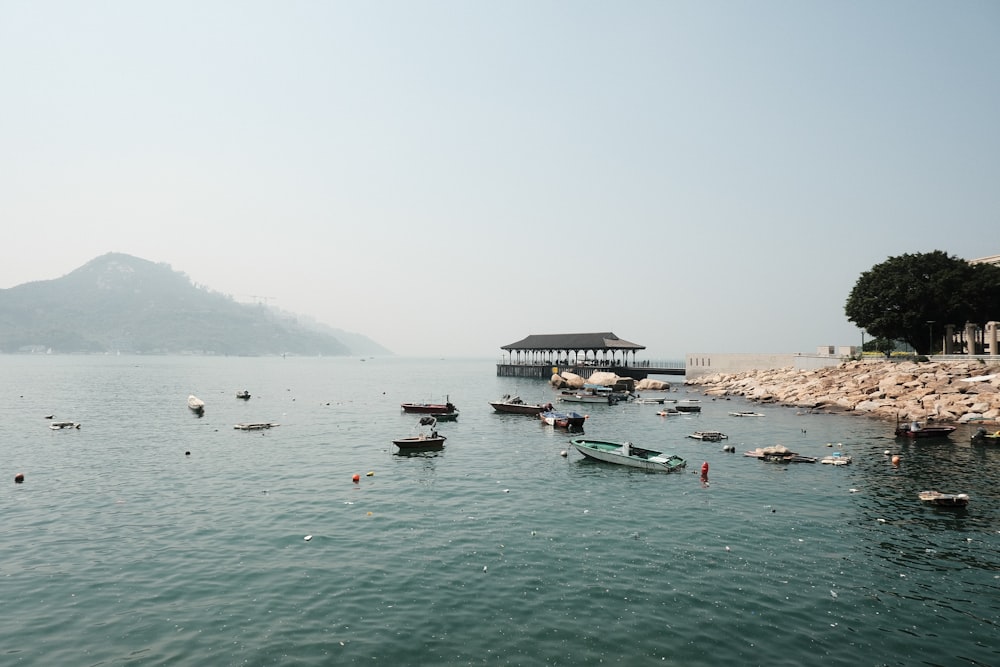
(896, 299)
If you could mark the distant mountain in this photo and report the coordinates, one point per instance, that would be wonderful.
(120, 303)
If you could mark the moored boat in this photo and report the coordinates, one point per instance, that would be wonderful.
(58, 426)
(746, 413)
(254, 426)
(562, 419)
(196, 404)
(688, 405)
(627, 454)
(917, 430)
(591, 394)
(426, 437)
(836, 459)
(649, 400)
(709, 436)
(945, 499)
(515, 405)
(983, 437)
(422, 441)
(244, 394)
(778, 454)
(429, 408)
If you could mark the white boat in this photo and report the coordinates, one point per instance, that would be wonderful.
(745, 413)
(836, 459)
(255, 426)
(709, 436)
(647, 400)
(627, 454)
(196, 404)
(688, 405)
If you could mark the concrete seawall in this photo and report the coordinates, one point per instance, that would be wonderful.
(947, 391)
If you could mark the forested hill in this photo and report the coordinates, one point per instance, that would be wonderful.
(119, 303)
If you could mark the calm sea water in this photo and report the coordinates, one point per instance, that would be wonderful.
(152, 537)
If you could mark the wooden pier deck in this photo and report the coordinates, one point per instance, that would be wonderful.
(638, 371)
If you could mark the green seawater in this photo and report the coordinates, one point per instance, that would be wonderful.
(151, 536)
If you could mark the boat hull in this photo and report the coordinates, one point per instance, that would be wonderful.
(611, 452)
(924, 432)
(518, 408)
(428, 408)
(420, 442)
(563, 419)
(577, 398)
(944, 499)
(709, 436)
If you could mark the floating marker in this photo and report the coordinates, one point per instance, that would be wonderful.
(356, 478)
(307, 538)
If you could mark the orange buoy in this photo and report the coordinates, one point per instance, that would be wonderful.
(895, 460)
(356, 478)
(704, 469)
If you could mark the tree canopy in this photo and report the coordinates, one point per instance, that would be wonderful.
(900, 298)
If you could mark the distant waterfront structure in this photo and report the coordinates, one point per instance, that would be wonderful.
(992, 259)
(706, 363)
(544, 355)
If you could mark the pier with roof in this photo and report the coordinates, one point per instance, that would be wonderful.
(544, 355)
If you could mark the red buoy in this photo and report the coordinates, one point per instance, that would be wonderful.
(19, 478)
(356, 478)
(704, 469)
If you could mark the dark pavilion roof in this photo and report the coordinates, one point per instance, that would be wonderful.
(576, 341)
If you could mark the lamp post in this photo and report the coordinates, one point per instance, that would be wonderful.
(930, 337)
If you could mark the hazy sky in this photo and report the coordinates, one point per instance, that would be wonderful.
(449, 177)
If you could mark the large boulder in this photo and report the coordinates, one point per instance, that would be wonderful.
(572, 380)
(603, 378)
(651, 385)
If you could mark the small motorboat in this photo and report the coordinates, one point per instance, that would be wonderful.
(688, 405)
(245, 395)
(709, 436)
(917, 430)
(426, 438)
(778, 454)
(255, 426)
(983, 437)
(746, 413)
(627, 454)
(429, 408)
(945, 499)
(836, 459)
(516, 405)
(649, 400)
(422, 441)
(666, 412)
(58, 426)
(196, 404)
(562, 419)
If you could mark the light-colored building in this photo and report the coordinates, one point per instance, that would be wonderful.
(992, 259)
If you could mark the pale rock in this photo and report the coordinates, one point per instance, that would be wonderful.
(603, 378)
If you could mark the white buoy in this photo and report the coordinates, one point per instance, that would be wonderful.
(307, 538)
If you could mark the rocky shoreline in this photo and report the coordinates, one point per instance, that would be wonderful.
(947, 391)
